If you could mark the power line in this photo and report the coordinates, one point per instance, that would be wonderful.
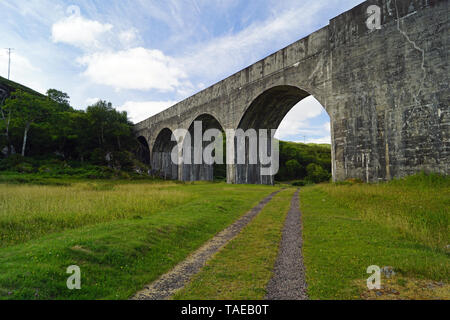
(9, 61)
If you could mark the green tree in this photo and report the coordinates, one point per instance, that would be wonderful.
(6, 121)
(27, 109)
(294, 169)
(61, 98)
(317, 174)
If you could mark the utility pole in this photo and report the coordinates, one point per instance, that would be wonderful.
(9, 61)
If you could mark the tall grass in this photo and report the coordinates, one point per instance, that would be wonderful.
(29, 211)
(117, 258)
(417, 206)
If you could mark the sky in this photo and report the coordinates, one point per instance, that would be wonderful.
(146, 55)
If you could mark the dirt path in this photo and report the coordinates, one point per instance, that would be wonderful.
(288, 281)
(168, 284)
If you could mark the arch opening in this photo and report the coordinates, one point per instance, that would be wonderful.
(203, 172)
(288, 110)
(143, 151)
(162, 164)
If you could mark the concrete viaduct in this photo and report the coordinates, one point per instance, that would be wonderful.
(381, 72)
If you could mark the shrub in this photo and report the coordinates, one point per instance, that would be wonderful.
(300, 183)
(317, 174)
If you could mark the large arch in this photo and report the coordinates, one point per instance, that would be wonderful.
(201, 172)
(266, 111)
(162, 164)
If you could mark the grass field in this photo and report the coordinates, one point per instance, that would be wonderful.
(402, 224)
(122, 236)
(243, 268)
(125, 234)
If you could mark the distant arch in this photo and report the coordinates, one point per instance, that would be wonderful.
(161, 160)
(202, 172)
(143, 150)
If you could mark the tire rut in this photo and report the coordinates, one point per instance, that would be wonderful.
(289, 281)
(168, 284)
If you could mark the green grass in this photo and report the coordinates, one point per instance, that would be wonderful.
(125, 234)
(122, 236)
(403, 224)
(242, 269)
(30, 211)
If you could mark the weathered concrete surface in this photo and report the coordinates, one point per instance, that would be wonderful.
(386, 92)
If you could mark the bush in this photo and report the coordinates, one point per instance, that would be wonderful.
(293, 168)
(317, 174)
(98, 157)
(300, 183)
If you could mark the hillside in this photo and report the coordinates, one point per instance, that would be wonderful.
(299, 161)
(8, 86)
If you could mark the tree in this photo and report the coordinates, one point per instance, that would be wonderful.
(61, 98)
(294, 169)
(28, 109)
(6, 118)
(99, 116)
(317, 174)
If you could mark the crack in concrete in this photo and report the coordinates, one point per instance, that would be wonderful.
(422, 51)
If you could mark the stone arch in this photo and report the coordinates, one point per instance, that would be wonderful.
(161, 159)
(201, 172)
(266, 111)
(143, 150)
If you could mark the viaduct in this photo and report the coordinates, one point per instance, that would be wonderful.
(381, 72)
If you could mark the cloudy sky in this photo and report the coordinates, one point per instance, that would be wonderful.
(146, 55)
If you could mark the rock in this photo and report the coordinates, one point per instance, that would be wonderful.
(388, 272)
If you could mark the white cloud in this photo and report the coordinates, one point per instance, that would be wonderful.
(229, 53)
(129, 37)
(22, 71)
(323, 140)
(136, 68)
(91, 101)
(80, 32)
(295, 122)
(139, 111)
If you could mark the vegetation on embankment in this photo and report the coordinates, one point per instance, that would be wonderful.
(47, 127)
(122, 235)
(242, 269)
(19, 170)
(304, 163)
(350, 226)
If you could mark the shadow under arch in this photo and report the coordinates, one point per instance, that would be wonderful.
(202, 172)
(143, 152)
(266, 111)
(161, 161)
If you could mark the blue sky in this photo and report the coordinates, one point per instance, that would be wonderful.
(146, 55)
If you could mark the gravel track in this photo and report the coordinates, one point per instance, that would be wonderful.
(288, 281)
(168, 284)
